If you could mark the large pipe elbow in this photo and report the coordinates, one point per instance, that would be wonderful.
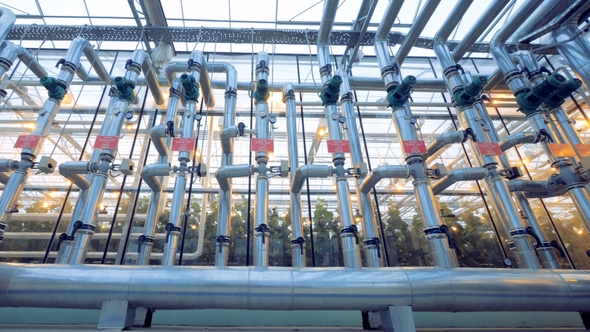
(225, 173)
(464, 174)
(7, 19)
(445, 139)
(384, 172)
(309, 171)
(231, 75)
(150, 174)
(75, 171)
(143, 59)
(226, 136)
(158, 136)
(517, 139)
(529, 186)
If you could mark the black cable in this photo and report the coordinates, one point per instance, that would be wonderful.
(65, 201)
(305, 158)
(471, 165)
(147, 151)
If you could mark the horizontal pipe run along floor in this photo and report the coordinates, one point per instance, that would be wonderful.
(161, 328)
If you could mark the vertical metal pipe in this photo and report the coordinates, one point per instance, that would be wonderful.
(582, 202)
(574, 48)
(225, 196)
(297, 239)
(371, 242)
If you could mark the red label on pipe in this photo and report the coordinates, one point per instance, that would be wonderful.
(489, 148)
(414, 147)
(106, 142)
(183, 144)
(562, 150)
(263, 145)
(583, 149)
(338, 146)
(27, 141)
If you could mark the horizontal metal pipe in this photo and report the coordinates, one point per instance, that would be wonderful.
(384, 172)
(150, 174)
(425, 289)
(464, 174)
(225, 173)
(517, 139)
(309, 171)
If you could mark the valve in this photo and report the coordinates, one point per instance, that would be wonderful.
(169, 228)
(530, 100)
(469, 133)
(397, 95)
(191, 88)
(241, 129)
(125, 89)
(466, 96)
(300, 241)
(221, 239)
(55, 89)
(560, 95)
(62, 238)
(331, 91)
(140, 241)
(351, 229)
(261, 93)
(262, 228)
(170, 128)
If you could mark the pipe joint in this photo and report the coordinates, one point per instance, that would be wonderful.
(351, 230)
(263, 231)
(172, 230)
(288, 95)
(373, 243)
(223, 240)
(133, 66)
(261, 93)
(298, 242)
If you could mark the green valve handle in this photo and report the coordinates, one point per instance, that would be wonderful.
(54, 89)
(125, 89)
(261, 93)
(406, 86)
(474, 89)
(191, 88)
(331, 91)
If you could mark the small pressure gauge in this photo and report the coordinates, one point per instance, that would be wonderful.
(129, 115)
(272, 119)
(507, 262)
(342, 119)
(198, 117)
(413, 120)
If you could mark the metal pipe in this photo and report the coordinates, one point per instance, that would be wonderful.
(581, 202)
(309, 171)
(414, 33)
(223, 239)
(7, 19)
(158, 137)
(384, 172)
(388, 19)
(575, 51)
(513, 140)
(371, 241)
(464, 174)
(150, 174)
(204, 80)
(443, 140)
(545, 12)
(72, 61)
(225, 173)
(425, 289)
(298, 257)
(9, 52)
(488, 16)
(142, 59)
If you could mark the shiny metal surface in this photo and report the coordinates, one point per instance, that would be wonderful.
(10, 52)
(419, 24)
(309, 171)
(7, 19)
(483, 23)
(575, 52)
(513, 140)
(582, 203)
(328, 16)
(384, 172)
(425, 289)
(440, 39)
(443, 140)
(464, 174)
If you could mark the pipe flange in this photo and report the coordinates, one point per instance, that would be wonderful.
(298, 242)
(174, 92)
(326, 70)
(288, 95)
(230, 92)
(87, 228)
(511, 76)
(519, 232)
(347, 97)
(574, 185)
(3, 93)
(223, 240)
(389, 70)
(5, 63)
(192, 65)
(133, 66)
(261, 67)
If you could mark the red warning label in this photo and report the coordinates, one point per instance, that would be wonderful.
(489, 148)
(27, 141)
(338, 146)
(106, 142)
(414, 147)
(263, 145)
(183, 144)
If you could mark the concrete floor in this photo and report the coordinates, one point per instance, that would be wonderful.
(88, 328)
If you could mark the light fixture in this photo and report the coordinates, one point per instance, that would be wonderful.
(357, 216)
(274, 212)
(317, 140)
(193, 226)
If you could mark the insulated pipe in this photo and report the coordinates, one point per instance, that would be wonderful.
(226, 137)
(223, 239)
(513, 140)
(72, 61)
(443, 140)
(414, 33)
(9, 52)
(7, 19)
(424, 289)
(389, 17)
(465, 174)
(204, 80)
(484, 21)
(384, 172)
(309, 171)
(261, 95)
(330, 91)
(543, 15)
(191, 93)
(158, 137)
(298, 257)
(372, 241)
(225, 173)
(142, 58)
(574, 48)
(150, 174)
